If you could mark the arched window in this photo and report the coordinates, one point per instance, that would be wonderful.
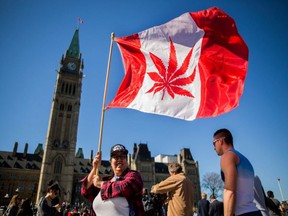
(62, 88)
(66, 89)
(74, 89)
(69, 108)
(58, 165)
(70, 89)
(62, 106)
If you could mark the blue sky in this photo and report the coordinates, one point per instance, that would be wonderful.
(35, 34)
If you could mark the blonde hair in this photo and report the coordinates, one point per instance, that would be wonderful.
(13, 200)
(204, 195)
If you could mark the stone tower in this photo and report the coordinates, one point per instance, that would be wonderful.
(59, 153)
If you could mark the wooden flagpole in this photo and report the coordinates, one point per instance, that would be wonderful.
(104, 96)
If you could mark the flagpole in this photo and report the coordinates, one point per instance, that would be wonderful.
(104, 96)
(278, 180)
(78, 23)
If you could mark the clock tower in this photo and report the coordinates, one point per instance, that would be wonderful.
(59, 153)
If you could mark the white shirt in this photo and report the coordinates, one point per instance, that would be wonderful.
(116, 206)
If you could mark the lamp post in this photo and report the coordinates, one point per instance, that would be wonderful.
(278, 180)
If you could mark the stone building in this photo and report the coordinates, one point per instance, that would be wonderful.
(20, 171)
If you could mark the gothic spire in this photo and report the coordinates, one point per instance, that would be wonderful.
(74, 48)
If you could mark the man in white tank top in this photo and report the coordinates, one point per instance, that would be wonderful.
(238, 176)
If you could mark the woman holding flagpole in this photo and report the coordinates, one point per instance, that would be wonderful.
(119, 194)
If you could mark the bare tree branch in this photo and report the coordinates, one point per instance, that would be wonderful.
(212, 182)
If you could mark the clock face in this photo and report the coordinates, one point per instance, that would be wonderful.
(71, 66)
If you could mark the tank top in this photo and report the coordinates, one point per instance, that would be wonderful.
(245, 183)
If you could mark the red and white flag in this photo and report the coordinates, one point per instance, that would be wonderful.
(193, 66)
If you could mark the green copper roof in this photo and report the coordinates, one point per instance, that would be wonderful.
(39, 149)
(74, 48)
(79, 153)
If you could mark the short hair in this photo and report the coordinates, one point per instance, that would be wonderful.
(203, 195)
(270, 194)
(224, 133)
(175, 167)
(53, 185)
(212, 196)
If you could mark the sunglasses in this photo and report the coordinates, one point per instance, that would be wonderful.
(216, 140)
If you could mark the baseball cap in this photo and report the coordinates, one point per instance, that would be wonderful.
(118, 148)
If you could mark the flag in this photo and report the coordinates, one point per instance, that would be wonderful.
(193, 66)
(80, 20)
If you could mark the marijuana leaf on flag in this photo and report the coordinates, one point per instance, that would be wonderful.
(168, 80)
(193, 66)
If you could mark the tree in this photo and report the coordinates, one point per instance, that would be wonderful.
(213, 182)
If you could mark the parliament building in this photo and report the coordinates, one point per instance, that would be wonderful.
(28, 173)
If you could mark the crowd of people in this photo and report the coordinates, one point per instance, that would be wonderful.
(123, 194)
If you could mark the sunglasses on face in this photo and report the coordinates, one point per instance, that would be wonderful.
(216, 140)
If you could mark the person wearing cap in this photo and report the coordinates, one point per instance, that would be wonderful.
(46, 205)
(119, 194)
